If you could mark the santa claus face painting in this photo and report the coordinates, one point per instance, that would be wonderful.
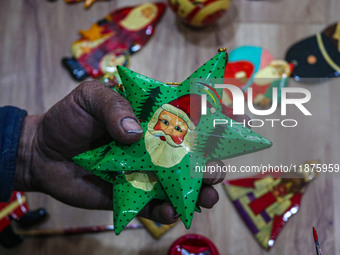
(167, 139)
(171, 125)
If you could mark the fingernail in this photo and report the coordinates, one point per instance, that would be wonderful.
(130, 125)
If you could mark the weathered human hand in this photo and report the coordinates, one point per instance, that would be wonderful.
(90, 116)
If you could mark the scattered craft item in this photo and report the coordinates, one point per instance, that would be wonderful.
(157, 230)
(17, 209)
(87, 3)
(316, 58)
(110, 41)
(193, 244)
(254, 67)
(199, 13)
(267, 201)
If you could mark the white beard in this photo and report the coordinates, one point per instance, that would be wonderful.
(164, 153)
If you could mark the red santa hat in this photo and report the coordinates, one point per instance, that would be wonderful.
(187, 107)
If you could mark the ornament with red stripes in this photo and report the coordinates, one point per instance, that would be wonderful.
(199, 13)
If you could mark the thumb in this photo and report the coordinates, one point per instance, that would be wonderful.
(110, 109)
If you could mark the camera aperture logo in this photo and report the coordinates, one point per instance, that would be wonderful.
(238, 105)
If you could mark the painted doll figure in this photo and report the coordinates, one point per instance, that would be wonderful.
(110, 41)
(318, 57)
(267, 201)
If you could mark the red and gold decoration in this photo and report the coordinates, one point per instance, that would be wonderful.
(87, 3)
(193, 244)
(267, 201)
(156, 229)
(199, 13)
(17, 209)
(110, 41)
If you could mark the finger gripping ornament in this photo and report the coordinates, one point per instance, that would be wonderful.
(177, 139)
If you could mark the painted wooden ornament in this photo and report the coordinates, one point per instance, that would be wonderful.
(254, 67)
(199, 13)
(193, 244)
(17, 210)
(87, 3)
(110, 41)
(316, 58)
(267, 201)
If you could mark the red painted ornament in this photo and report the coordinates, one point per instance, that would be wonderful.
(199, 13)
(193, 244)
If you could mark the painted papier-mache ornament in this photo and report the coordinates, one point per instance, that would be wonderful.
(87, 3)
(266, 201)
(178, 139)
(17, 210)
(316, 58)
(254, 67)
(110, 41)
(199, 13)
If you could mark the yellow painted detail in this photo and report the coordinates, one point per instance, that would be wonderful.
(142, 180)
(325, 54)
(11, 207)
(81, 47)
(139, 17)
(94, 33)
(208, 10)
(336, 35)
(185, 7)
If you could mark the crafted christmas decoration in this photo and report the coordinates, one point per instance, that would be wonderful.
(177, 140)
(193, 244)
(87, 3)
(199, 13)
(17, 209)
(254, 67)
(110, 41)
(318, 57)
(156, 229)
(266, 201)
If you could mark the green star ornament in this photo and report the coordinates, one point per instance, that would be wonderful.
(177, 140)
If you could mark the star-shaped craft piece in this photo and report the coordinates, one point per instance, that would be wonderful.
(178, 140)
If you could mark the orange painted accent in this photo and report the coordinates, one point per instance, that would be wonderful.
(94, 33)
